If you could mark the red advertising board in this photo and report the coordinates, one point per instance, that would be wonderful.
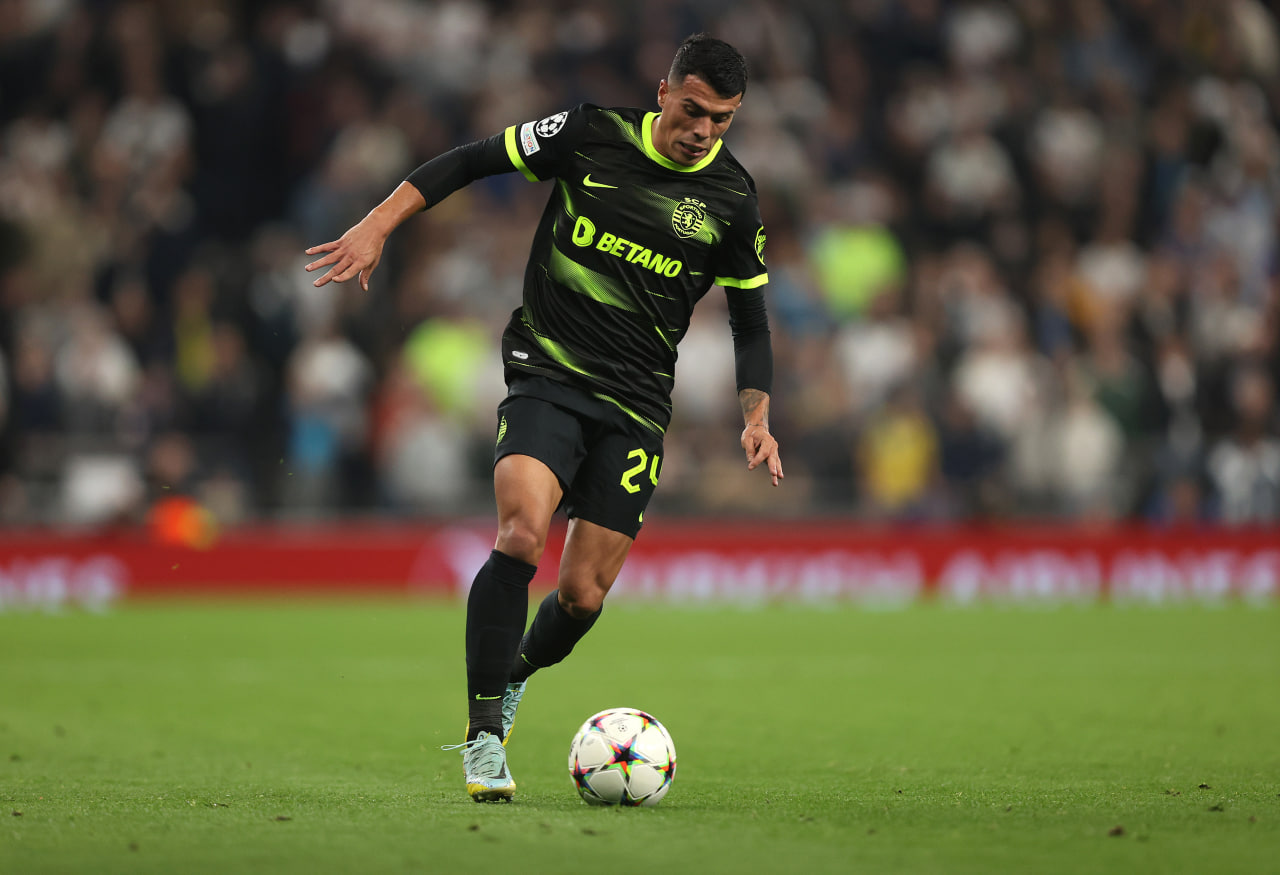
(700, 561)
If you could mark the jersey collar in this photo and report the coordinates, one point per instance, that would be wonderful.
(646, 129)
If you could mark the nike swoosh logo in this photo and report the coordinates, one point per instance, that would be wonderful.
(586, 180)
(486, 698)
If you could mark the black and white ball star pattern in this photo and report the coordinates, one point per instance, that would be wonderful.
(551, 125)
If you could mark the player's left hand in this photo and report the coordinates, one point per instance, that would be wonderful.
(762, 447)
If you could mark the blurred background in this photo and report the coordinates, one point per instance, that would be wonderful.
(1023, 255)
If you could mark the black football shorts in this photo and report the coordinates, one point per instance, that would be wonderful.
(607, 466)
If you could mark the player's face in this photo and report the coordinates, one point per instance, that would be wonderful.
(693, 119)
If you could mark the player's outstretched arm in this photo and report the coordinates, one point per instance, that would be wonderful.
(759, 444)
(358, 251)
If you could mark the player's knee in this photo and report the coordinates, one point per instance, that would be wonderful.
(581, 603)
(521, 542)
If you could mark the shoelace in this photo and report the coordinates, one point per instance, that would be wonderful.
(510, 702)
(481, 759)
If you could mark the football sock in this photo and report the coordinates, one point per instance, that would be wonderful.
(496, 610)
(551, 636)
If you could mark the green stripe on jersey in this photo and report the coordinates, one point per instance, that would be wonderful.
(643, 420)
(754, 282)
(585, 281)
(625, 128)
(557, 352)
(513, 152)
(566, 198)
(671, 346)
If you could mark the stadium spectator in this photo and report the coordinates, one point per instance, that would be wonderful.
(1104, 174)
(1244, 467)
(897, 459)
(327, 385)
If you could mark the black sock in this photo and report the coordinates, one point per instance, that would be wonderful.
(496, 610)
(550, 638)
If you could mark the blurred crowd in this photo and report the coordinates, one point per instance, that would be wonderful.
(1023, 254)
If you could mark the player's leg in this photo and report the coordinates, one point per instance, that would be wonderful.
(606, 505)
(539, 448)
(527, 493)
(535, 441)
(593, 556)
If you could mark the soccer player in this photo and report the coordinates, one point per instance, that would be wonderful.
(647, 212)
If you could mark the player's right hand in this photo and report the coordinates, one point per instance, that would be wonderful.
(355, 253)
(762, 447)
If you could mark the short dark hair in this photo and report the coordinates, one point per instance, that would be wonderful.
(713, 61)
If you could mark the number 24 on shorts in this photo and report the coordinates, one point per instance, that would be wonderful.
(642, 461)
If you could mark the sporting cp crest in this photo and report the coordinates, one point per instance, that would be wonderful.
(760, 244)
(688, 217)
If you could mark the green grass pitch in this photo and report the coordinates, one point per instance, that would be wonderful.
(304, 737)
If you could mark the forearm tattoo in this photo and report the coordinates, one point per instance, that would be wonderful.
(755, 406)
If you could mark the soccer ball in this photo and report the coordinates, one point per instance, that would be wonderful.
(622, 757)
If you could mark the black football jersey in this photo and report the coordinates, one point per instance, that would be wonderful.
(629, 242)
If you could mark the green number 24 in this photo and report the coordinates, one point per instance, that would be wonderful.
(642, 462)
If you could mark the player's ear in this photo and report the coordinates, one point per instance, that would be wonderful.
(663, 91)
